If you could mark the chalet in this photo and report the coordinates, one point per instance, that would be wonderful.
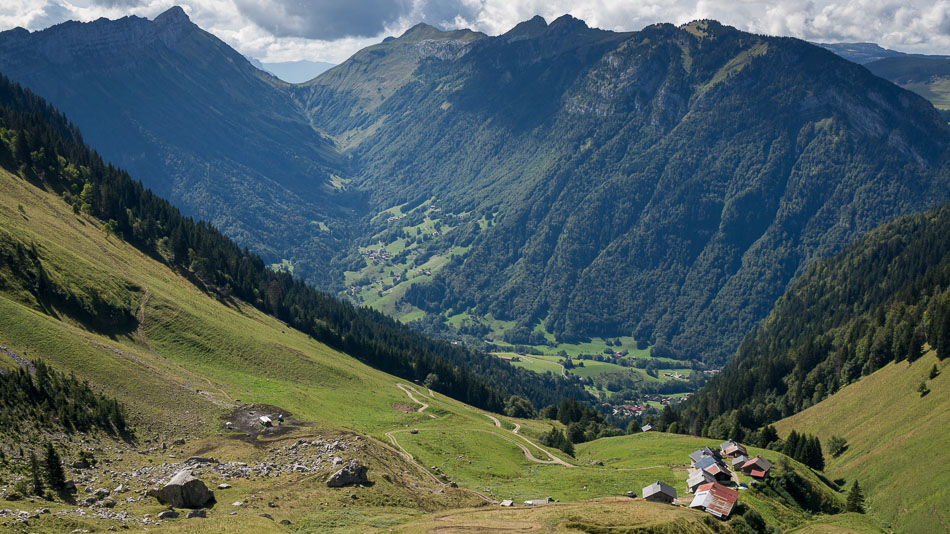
(738, 461)
(731, 449)
(647, 428)
(622, 353)
(698, 477)
(265, 421)
(659, 492)
(507, 502)
(757, 467)
(716, 499)
(718, 471)
(698, 455)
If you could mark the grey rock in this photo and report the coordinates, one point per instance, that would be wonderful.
(200, 460)
(107, 503)
(168, 514)
(183, 491)
(351, 474)
(101, 493)
(196, 513)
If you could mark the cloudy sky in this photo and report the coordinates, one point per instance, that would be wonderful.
(331, 30)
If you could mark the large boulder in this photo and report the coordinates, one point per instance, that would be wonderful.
(351, 475)
(183, 491)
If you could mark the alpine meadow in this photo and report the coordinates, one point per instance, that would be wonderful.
(683, 279)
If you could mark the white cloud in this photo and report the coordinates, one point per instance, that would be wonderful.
(331, 30)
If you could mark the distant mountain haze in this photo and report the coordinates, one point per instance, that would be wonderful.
(667, 183)
(294, 71)
(926, 75)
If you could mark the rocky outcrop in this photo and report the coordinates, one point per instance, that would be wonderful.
(351, 475)
(184, 491)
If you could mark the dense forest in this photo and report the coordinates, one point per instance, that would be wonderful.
(42, 146)
(884, 299)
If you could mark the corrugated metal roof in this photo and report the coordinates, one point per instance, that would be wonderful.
(715, 498)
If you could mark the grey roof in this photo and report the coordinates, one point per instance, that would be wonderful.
(697, 478)
(647, 428)
(759, 462)
(705, 462)
(739, 460)
(697, 455)
(658, 487)
(725, 445)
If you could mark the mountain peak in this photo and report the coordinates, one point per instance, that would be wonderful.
(567, 23)
(529, 28)
(175, 15)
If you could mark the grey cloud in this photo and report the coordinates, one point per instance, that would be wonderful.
(324, 19)
(52, 14)
(119, 3)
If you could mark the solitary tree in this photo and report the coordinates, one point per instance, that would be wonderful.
(37, 486)
(54, 468)
(855, 499)
(837, 445)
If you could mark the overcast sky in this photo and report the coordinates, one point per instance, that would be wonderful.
(331, 30)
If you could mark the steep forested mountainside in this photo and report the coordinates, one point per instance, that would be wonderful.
(880, 300)
(197, 123)
(40, 145)
(668, 182)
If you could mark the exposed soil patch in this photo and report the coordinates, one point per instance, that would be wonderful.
(246, 422)
(403, 407)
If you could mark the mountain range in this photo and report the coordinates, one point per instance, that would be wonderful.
(667, 183)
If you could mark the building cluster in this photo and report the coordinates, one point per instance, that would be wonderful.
(713, 483)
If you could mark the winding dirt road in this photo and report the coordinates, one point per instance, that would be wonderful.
(409, 390)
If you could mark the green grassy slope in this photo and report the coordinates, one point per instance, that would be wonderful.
(197, 356)
(897, 441)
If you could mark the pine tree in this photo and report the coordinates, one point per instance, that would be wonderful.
(855, 499)
(37, 487)
(54, 468)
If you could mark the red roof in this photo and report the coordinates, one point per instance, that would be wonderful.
(720, 499)
(757, 473)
